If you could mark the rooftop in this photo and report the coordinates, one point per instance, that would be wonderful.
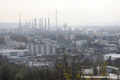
(12, 50)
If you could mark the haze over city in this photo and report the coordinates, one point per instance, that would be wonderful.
(59, 39)
(74, 12)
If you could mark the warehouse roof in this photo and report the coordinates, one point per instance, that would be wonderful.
(12, 50)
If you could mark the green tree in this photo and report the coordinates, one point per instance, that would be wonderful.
(6, 72)
(116, 62)
(2, 40)
(21, 38)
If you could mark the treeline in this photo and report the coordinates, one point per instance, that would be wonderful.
(21, 38)
(11, 71)
(2, 40)
(115, 62)
(63, 70)
(20, 72)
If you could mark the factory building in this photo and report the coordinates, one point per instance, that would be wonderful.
(41, 49)
(11, 53)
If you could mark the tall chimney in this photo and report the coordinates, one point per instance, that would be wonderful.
(48, 23)
(32, 24)
(42, 23)
(25, 24)
(20, 27)
(45, 24)
(39, 23)
(29, 24)
(35, 23)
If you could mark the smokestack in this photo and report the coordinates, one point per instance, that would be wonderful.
(45, 24)
(32, 24)
(20, 27)
(48, 23)
(25, 24)
(29, 24)
(39, 23)
(65, 26)
(35, 23)
(42, 23)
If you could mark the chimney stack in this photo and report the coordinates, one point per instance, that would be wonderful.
(48, 23)
(39, 23)
(45, 24)
(35, 23)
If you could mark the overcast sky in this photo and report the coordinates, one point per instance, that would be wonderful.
(74, 12)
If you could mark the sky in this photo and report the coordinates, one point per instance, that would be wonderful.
(73, 12)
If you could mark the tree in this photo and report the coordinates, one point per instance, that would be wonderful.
(2, 40)
(6, 72)
(95, 70)
(78, 37)
(61, 38)
(109, 61)
(21, 38)
(116, 62)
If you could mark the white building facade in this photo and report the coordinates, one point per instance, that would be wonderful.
(11, 53)
(42, 49)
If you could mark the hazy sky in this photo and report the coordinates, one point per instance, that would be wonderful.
(74, 12)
